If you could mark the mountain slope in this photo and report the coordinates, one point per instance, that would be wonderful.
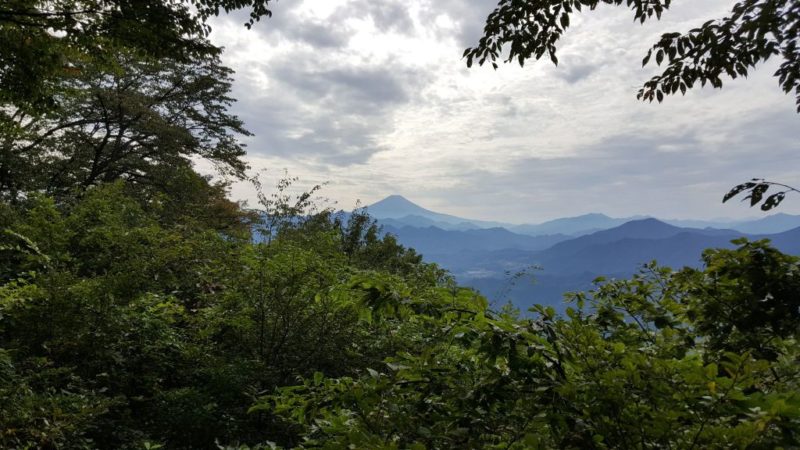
(398, 207)
(579, 225)
(772, 224)
(433, 240)
(424, 222)
(787, 242)
(625, 256)
(776, 223)
(636, 229)
(398, 211)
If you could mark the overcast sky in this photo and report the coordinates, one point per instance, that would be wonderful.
(373, 97)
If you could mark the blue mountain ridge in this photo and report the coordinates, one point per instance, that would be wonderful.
(486, 258)
(397, 211)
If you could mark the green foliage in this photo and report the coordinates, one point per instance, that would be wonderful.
(95, 91)
(36, 414)
(123, 326)
(141, 122)
(140, 308)
(125, 322)
(755, 31)
(643, 363)
(41, 41)
(367, 247)
(747, 300)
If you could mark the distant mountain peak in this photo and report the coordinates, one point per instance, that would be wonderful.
(395, 197)
(396, 206)
(648, 221)
(648, 224)
(395, 200)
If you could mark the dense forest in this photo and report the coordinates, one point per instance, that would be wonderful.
(141, 308)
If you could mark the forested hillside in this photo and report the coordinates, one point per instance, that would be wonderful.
(142, 308)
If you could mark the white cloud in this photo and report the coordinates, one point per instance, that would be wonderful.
(375, 98)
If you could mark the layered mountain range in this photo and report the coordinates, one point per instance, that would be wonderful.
(538, 263)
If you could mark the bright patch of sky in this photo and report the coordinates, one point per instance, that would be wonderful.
(374, 98)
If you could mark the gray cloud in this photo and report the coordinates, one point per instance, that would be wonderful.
(648, 174)
(470, 15)
(283, 129)
(568, 140)
(320, 36)
(334, 115)
(318, 104)
(285, 24)
(388, 15)
(573, 72)
(360, 88)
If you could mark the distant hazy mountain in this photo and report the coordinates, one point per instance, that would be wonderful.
(620, 250)
(775, 223)
(573, 271)
(788, 241)
(625, 256)
(689, 223)
(636, 229)
(433, 240)
(398, 212)
(396, 206)
(405, 212)
(649, 229)
(576, 226)
(424, 222)
(570, 252)
(772, 224)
